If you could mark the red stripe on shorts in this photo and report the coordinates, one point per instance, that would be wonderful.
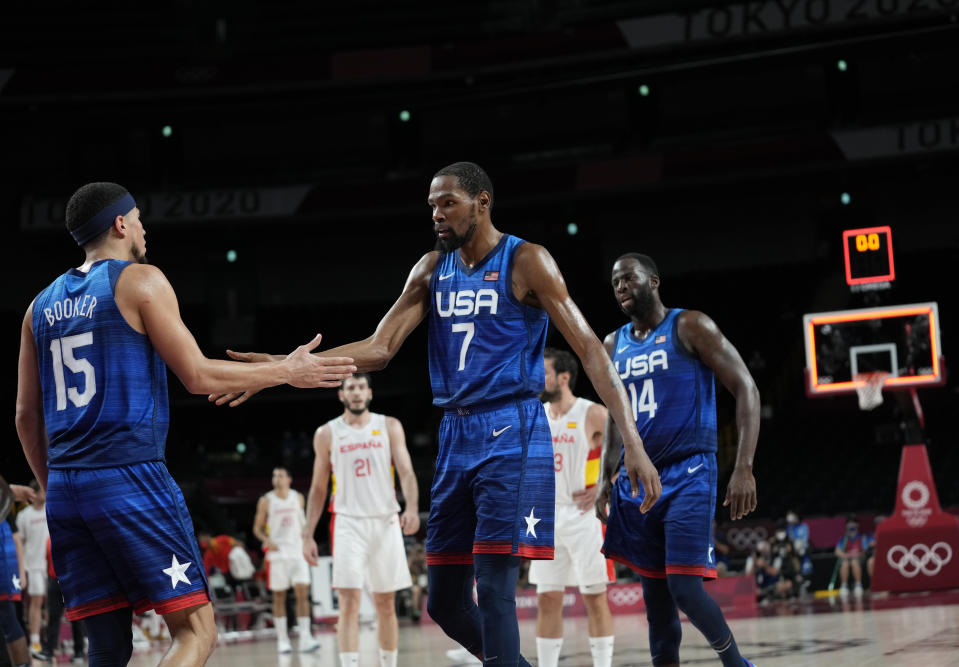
(81, 611)
(652, 574)
(535, 553)
(449, 559)
(701, 570)
(492, 547)
(186, 601)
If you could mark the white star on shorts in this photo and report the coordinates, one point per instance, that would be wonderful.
(531, 522)
(16, 582)
(175, 572)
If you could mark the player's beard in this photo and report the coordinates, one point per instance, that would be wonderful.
(644, 301)
(138, 257)
(359, 411)
(455, 241)
(547, 396)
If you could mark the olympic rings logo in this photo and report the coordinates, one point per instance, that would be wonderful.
(745, 538)
(919, 558)
(915, 486)
(625, 596)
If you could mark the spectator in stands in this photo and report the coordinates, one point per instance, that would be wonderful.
(792, 583)
(851, 550)
(762, 565)
(416, 558)
(722, 550)
(798, 532)
(871, 548)
(216, 552)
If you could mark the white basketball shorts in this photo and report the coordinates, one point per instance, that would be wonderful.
(370, 549)
(578, 559)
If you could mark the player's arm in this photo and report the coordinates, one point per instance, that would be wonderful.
(538, 279)
(147, 300)
(31, 427)
(410, 518)
(595, 424)
(374, 352)
(316, 499)
(701, 336)
(259, 523)
(611, 444)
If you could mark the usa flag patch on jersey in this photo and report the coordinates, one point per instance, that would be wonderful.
(491, 275)
(660, 339)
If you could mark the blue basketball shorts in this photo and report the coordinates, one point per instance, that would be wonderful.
(122, 537)
(9, 566)
(676, 535)
(494, 486)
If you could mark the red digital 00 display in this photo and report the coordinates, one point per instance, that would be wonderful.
(868, 255)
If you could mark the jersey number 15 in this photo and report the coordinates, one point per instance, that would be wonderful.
(62, 351)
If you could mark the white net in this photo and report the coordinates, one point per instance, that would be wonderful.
(869, 389)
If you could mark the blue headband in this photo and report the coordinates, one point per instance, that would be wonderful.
(103, 220)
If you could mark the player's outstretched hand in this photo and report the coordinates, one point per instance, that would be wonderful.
(23, 493)
(585, 498)
(311, 371)
(240, 397)
(410, 522)
(741, 493)
(642, 471)
(602, 500)
(310, 552)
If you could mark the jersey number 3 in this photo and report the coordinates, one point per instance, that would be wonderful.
(646, 402)
(62, 351)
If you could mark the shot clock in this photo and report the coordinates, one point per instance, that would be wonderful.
(868, 255)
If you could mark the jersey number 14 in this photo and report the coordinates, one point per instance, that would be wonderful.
(646, 401)
(62, 351)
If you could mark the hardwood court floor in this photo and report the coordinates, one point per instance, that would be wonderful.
(916, 631)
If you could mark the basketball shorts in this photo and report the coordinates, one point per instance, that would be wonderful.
(371, 549)
(285, 571)
(37, 582)
(9, 566)
(578, 560)
(122, 537)
(676, 535)
(493, 488)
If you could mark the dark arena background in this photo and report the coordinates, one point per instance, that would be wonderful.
(281, 154)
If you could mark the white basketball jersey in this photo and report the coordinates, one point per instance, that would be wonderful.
(285, 522)
(362, 465)
(575, 463)
(32, 524)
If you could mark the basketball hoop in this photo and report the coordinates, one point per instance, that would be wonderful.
(869, 389)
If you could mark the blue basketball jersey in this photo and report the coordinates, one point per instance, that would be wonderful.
(673, 394)
(484, 345)
(104, 386)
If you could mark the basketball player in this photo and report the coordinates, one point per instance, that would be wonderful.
(360, 448)
(577, 428)
(278, 525)
(488, 296)
(92, 399)
(668, 359)
(32, 526)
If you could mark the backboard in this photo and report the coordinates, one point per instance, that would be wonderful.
(900, 340)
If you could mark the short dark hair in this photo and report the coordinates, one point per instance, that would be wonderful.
(471, 177)
(360, 376)
(89, 200)
(645, 260)
(563, 362)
